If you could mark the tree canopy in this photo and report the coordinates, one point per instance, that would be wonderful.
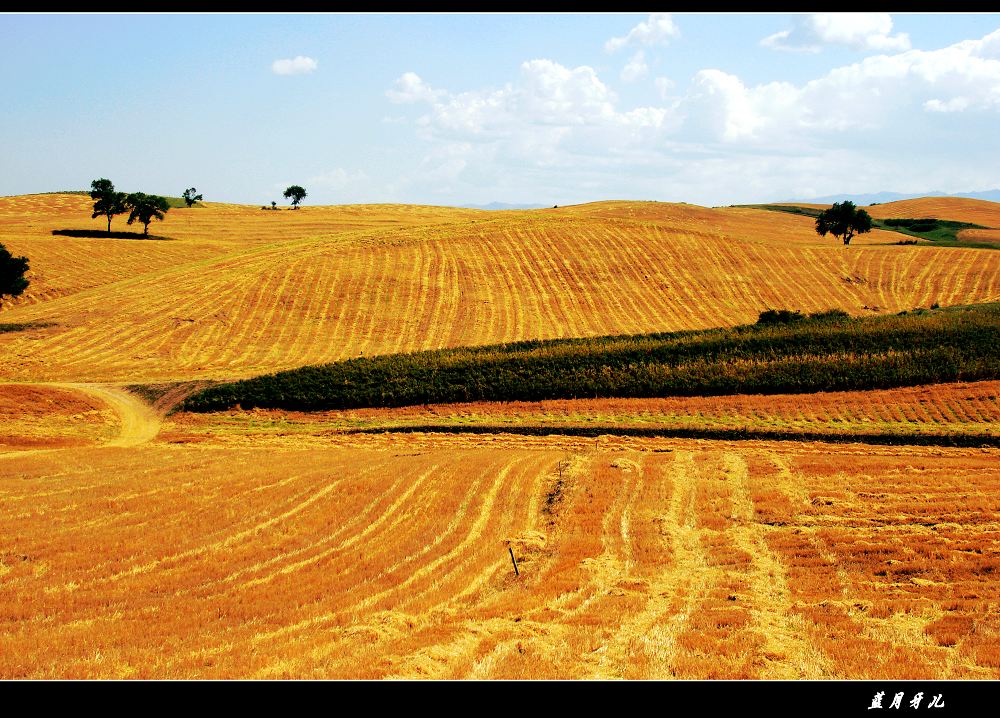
(145, 208)
(296, 193)
(843, 219)
(190, 197)
(108, 202)
(12, 271)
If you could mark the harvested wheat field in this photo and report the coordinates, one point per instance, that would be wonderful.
(142, 542)
(312, 295)
(959, 209)
(940, 411)
(388, 557)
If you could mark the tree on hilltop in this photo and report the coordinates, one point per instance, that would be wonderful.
(296, 193)
(12, 271)
(843, 219)
(190, 197)
(107, 203)
(145, 208)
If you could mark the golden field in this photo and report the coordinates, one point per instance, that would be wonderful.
(372, 557)
(216, 303)
(958, 209)
(959, 409)
(267, 544)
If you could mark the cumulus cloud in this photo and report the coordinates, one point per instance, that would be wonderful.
(410, 88)
(636, 67)
(552, 121)
(865, 31)
(780, 41)
(657, 29)
(298, 65)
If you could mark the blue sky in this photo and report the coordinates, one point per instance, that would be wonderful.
(550, 108)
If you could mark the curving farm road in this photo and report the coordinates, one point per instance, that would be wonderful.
(140, 421)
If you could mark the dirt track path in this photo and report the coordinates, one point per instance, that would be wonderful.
(140, 422)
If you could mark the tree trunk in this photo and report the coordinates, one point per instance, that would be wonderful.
(109, 224)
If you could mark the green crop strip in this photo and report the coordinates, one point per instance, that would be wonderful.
(821, 353)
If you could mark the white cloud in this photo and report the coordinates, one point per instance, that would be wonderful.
(410, 88)
(779, 41)
(636, 67)
(552, 122)
(865, 31)
(553, 94)
(657, 29)
(955, 104)
(861, 30)
(546, 93)
(298, 65)
(663, 86)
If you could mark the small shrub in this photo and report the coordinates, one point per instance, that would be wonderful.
(830, 315)
(780, 316)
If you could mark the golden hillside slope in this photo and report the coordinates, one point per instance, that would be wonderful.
(63, 265)
(959, 209)
(242, 291)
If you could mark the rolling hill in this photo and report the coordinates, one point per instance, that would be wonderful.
(238, 291)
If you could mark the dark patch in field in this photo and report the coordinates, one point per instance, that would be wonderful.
(104, 234)
(887, 439)
(24, 326)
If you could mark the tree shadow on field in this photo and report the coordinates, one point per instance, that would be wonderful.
(104, 234)
(24, 326)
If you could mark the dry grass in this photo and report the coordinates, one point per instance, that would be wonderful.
(262, 291)
(985, 236)
(50, 417)
(955, 409)
(959, 209)
(386, 557)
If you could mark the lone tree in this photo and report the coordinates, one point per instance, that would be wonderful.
(12, 271)
(296, 193)
(845, 220)
(145, 208)
(107, 203)
(190, 197)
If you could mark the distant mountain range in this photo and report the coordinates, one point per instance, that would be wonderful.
(503, 205)
(992, 195)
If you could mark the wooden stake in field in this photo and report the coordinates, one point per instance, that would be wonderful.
(516, 572)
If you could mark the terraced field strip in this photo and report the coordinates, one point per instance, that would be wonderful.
(962, 410)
